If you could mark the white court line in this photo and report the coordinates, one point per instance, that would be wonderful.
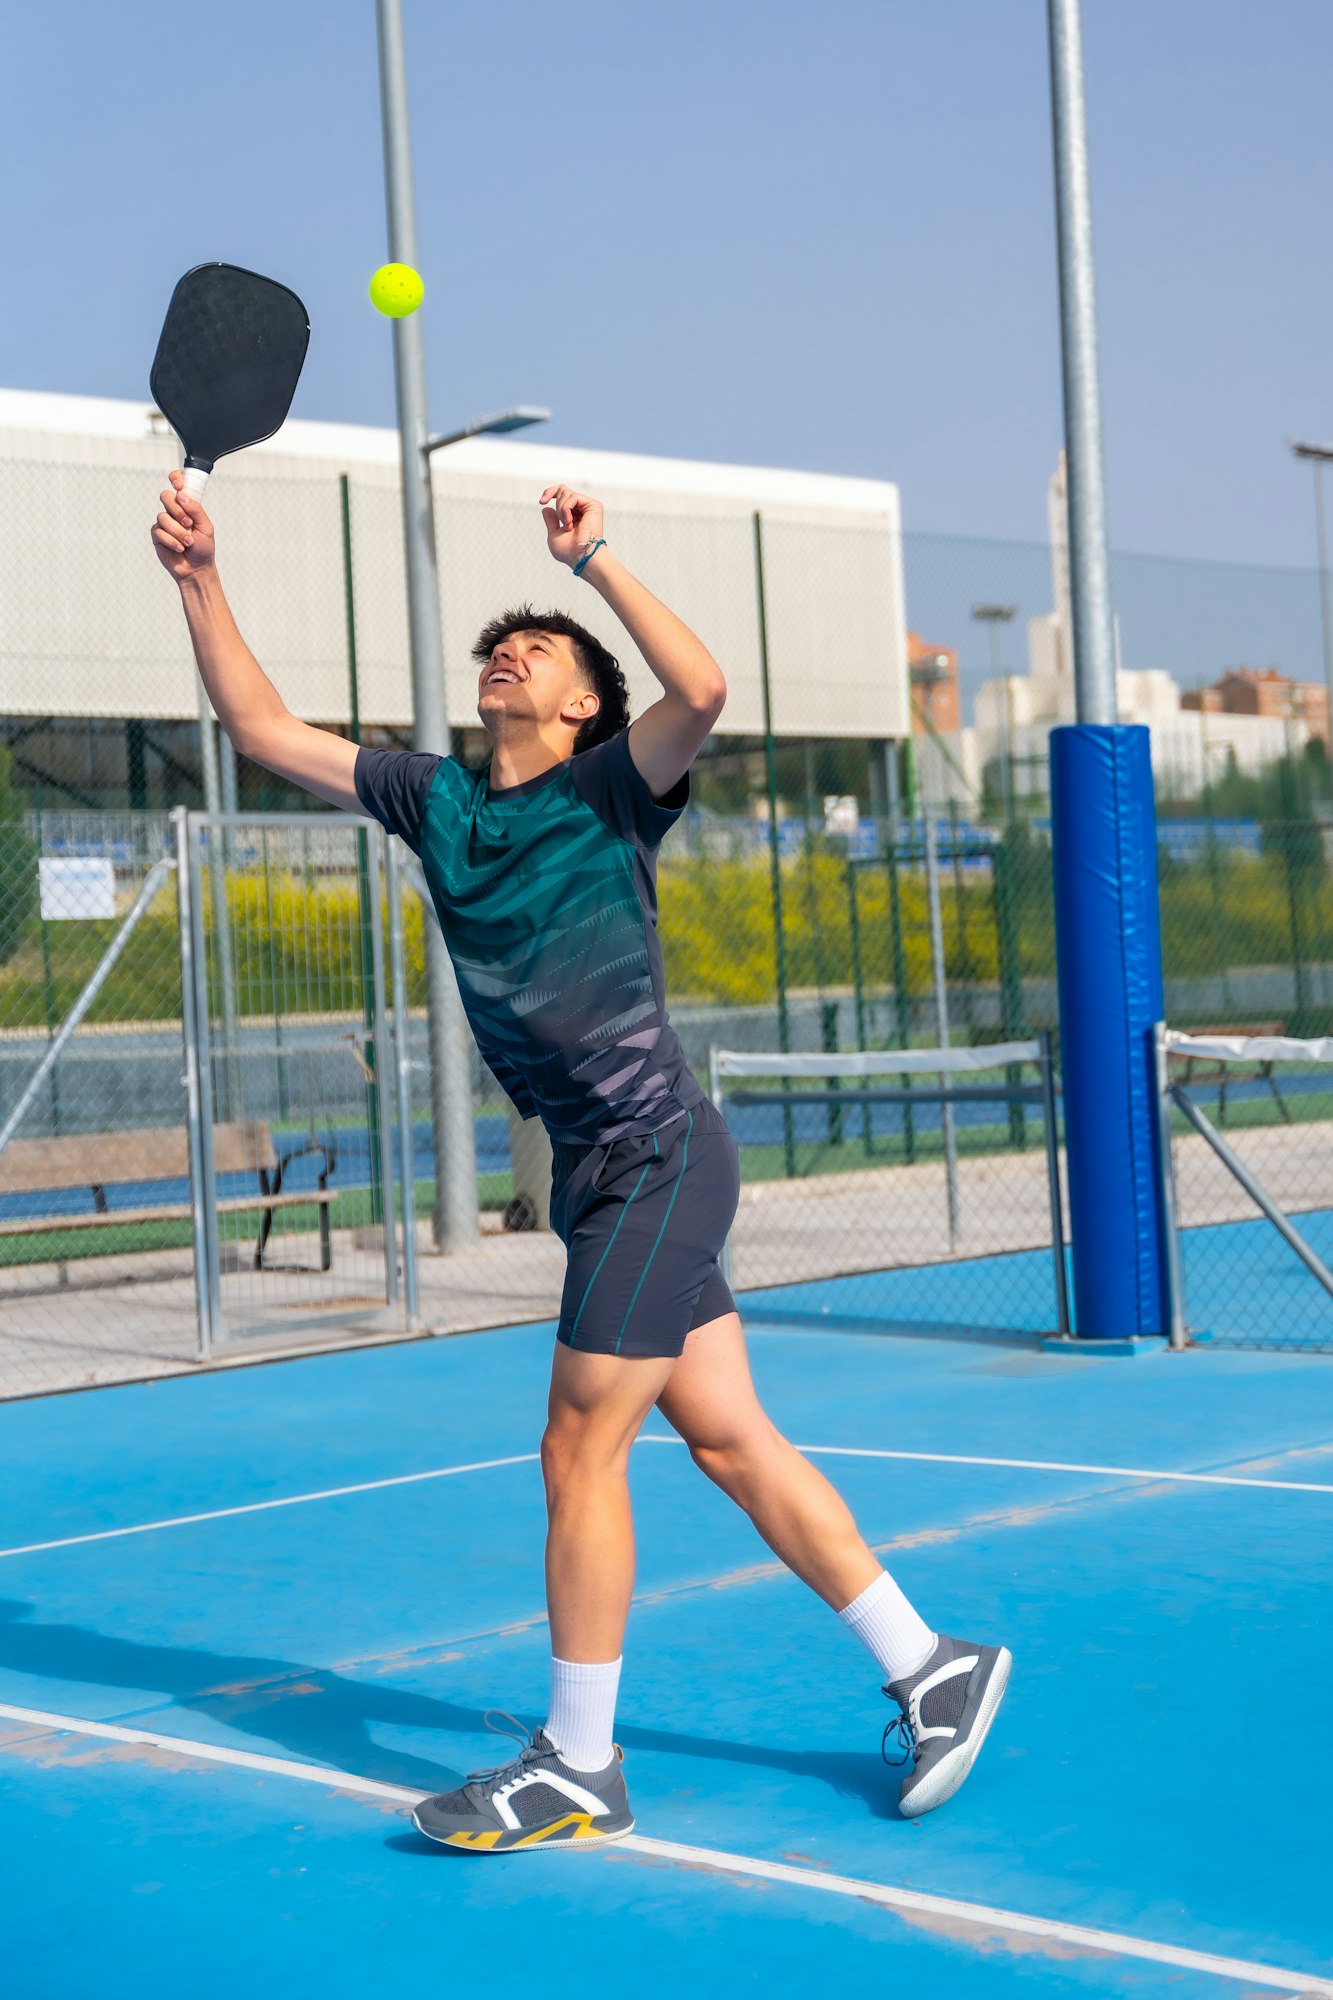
(1042, 1465)
(980, 1917)
(264, 1506)
(531, 1458)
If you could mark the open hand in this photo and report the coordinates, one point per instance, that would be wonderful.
(574, 522)
(182, 532)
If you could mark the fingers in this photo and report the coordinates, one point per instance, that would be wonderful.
(567, 503)
(183, 506)
(176, 528)
(164, 539)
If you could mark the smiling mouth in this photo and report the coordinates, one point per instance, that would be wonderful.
(501, 676)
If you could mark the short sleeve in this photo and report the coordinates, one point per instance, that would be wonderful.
(393, 786)
(612, 784)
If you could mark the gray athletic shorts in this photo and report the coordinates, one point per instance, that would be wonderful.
(644, 1219)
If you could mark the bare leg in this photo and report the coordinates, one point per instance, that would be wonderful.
(710, 1400)
(598, 1403)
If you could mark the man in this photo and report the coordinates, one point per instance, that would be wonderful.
(542, 870)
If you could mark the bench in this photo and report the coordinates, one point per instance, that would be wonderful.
(1211, 1069)
(97, 1160)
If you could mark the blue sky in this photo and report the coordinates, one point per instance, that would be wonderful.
(731, 229)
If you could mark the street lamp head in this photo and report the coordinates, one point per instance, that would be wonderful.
(1300, 448)
(994, 614)
(516, 418)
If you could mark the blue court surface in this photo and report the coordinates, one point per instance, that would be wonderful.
(246, 1618)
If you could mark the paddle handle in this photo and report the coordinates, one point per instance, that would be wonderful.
(196, 479)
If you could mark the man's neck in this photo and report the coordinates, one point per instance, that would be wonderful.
(518, 757)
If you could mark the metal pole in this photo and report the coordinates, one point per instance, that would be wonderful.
(719, 1105)
(941, 1020)
(1258, 1194)
(402, 1039)
(774, 845)
(455, 1222)
(1089, 566)
(211, 1277)
(1325, 610)
(892, 788)
(194, 1101)
(228, 786)
(378, 1043)
(1051, 1123)
(1175, 1272)
(366, 904)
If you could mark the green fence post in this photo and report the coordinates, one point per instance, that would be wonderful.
(774, 845)
(1011, 981)
(48, 975)
(903, 1005)
(965, 965)
(366, 914)
(858, 985)
(1288, 834)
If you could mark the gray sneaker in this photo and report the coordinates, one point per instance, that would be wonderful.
(535, 1802)
(947, 1707)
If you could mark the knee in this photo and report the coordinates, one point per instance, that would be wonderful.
(573, 1452)
(732, 1458)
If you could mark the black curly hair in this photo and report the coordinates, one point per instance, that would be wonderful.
(600, 668)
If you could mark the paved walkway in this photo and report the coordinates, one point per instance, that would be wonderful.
(132, 1317)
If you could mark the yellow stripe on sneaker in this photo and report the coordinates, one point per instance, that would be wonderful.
(580, 1821)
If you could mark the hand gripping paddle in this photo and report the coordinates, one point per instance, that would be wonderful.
(227, 363)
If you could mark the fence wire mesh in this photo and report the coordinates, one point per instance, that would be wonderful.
(847, 877)
(1262, 1116)
(95, 1241)
(299, 1113)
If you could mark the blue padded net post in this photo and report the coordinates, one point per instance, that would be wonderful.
(1109, 960)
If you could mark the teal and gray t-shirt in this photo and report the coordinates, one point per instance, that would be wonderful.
(547, 896)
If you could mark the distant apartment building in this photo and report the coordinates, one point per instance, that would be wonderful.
(1247, 720)
(1264, 691)
(933, 671)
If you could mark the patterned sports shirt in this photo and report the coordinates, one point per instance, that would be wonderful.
(547, 896)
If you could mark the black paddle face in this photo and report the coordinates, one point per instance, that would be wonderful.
(228, 360)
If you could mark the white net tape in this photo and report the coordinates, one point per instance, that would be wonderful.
(876, 1062)
(1250, 1048)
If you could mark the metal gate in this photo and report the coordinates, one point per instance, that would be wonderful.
(1247, 1187)
(295, 1081)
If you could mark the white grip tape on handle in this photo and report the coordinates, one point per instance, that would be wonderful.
(196, 479)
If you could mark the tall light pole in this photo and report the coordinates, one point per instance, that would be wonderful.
(1089, 565)
(1319, 456)
(455, 1220)
(992, 616)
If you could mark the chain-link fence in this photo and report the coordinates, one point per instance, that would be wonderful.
(95, 1235)
(1249, 1126)
(854, 872)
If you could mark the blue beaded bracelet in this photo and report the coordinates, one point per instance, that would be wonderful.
(584, 560)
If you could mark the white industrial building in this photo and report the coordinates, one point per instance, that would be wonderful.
(91, 629)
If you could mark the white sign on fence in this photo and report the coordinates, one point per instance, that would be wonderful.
(77, 889)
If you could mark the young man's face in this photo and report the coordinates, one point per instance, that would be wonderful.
(535, 678)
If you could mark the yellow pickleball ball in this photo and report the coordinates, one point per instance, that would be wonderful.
(396, 290)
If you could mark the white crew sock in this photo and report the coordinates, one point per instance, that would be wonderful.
(583, 1712)
(888, 1627)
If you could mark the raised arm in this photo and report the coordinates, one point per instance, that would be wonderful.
(245, 700)
(665, 740)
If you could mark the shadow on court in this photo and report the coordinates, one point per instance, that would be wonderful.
(321, 1717)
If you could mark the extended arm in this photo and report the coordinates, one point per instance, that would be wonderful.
(667, 737)
(245, 700)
